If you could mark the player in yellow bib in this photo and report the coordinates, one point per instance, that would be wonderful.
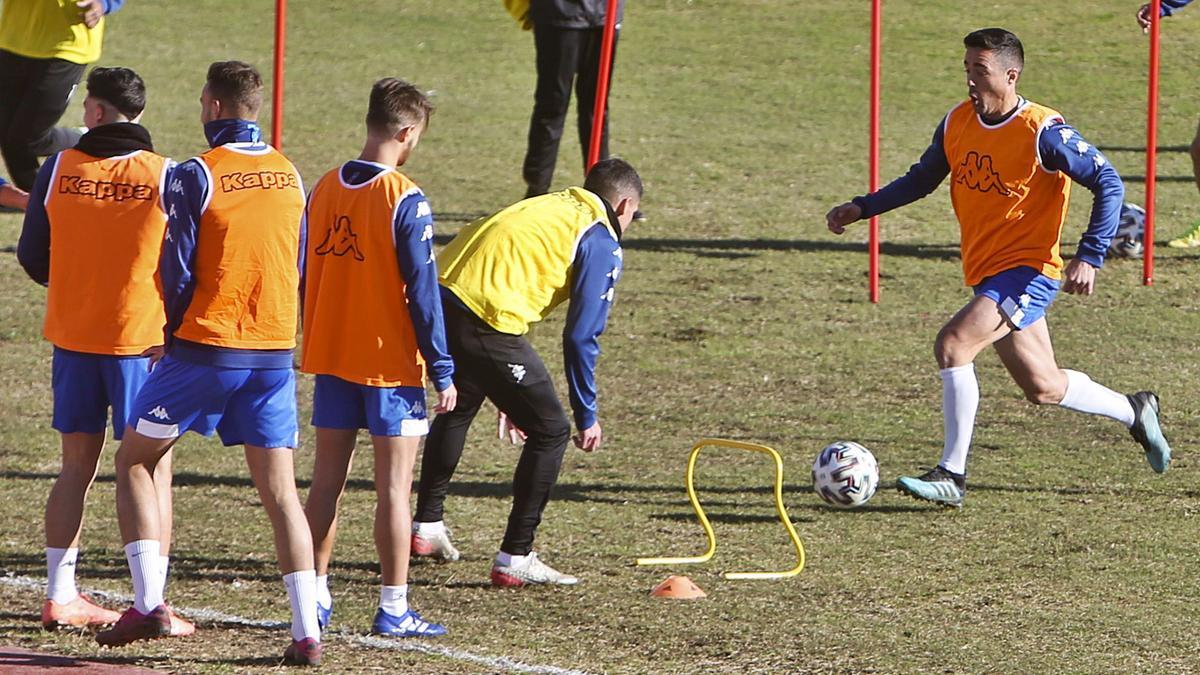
(1011, 163)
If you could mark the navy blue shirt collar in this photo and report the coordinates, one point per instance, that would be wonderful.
(220, 132)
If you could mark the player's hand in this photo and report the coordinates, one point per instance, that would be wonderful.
(589, 439)
(13, 197)
(447, 399)
(507, 431)
(155, 353)
(90, 12)
(1079, 278)
(842, 215)
(1143, 18)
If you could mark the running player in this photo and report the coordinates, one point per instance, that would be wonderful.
(230, 270)
(1011, 163)
(373, 326)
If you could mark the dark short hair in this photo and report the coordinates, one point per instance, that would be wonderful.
(614, 179)
(121, 88)
(1002, 42)
(236, 85)
(396, 104)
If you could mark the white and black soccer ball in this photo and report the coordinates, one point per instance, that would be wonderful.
(845, 475)
(1129, 242)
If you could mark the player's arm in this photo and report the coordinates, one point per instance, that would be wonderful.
(1167, 8)
(414, 251)
(91, 11)
(12, 196)
(922, 178)
(595, 272)
(33, 248)
(186, 194)
(1062, 148)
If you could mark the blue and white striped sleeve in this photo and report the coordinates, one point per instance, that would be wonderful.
(1062, 148)
(597, 266)
(922, 178)
(414, 251)
(187, 196)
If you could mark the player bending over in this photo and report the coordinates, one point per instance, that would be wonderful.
(101, 205)
(372, 327)
(230, 274)
(1011, 163)
(502, 274)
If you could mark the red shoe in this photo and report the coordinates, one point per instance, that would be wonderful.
(180, 627)
(134, 626)
(306, 652)
(77, 613)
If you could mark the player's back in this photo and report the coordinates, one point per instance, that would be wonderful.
(247, 251)
(512, 268)
(107, 222)
(356, 321)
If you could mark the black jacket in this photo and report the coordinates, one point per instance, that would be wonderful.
(572, 13)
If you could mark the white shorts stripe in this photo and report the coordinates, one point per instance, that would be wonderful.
(155, 430)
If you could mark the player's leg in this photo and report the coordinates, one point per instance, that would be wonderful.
(31, 131)
(1029, 357)
(395, 456)
(557, 60)
(521, 386)
(448, 435)
(586, 83)
(80, 415)
(334, 455)
(1191, 238)
(977, 325)
(261, 415)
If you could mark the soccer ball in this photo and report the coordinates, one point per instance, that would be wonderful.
(845, 475)
(1131, 232)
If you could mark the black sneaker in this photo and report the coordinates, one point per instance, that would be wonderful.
(1147, 432)
(939, 486)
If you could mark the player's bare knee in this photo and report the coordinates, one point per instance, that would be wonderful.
(949, 349)
(1044, 393)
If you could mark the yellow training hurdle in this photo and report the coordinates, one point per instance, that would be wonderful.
(708, 530)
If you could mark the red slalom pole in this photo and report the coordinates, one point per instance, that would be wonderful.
(277, 93)
(606, 52)
(876, 44)
(1151, 145)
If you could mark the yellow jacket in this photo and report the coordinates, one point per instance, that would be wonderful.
(48, 29)
(519, 9)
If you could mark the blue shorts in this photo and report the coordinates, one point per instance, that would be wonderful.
(245, 406)
(384, 411)
(1023, 294)
(87, 385)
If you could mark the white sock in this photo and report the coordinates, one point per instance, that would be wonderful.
(960, 401)
(1086, 396)
(302, 593)
(324, 598)
(60, 574)
(509, 560)
(432, 529)
(165, 564)
(145, 566)
(394, 599)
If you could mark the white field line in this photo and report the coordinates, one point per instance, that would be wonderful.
(214, 616)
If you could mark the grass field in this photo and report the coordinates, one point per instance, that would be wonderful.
(739, 316)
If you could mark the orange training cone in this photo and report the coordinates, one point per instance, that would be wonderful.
(679, 588)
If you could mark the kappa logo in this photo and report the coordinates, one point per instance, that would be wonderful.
(608, 295)
(518, 371)
(341, 240)
(427, 233)
(423, 210)
(258, 180)
(176, 186)
(103, 189)
(418, 408)
(160, 412)
(976, 173)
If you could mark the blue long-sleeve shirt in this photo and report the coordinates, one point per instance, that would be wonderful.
(33, 248)
(598, 263)
(413, 230)
(1060, 147)
(111, 6)
(1169, 7)
(186, 197)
